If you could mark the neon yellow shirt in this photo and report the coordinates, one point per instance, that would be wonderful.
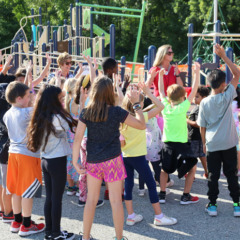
(135, 140)
(175, 121)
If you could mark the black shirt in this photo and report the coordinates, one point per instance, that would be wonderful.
(103, 141)
(193, 132)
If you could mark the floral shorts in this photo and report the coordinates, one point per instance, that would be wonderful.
(111, 171)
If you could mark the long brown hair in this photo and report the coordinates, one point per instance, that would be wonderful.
(101, 96)
(46, 106)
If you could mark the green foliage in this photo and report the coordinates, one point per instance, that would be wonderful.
(164, 22)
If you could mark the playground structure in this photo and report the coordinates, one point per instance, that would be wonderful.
(69, 38)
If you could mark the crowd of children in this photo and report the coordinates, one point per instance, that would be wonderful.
(79, 131)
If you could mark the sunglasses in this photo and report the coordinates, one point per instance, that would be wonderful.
(69, 63)
(170, 53)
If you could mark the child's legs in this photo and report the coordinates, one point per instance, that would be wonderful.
(115, 197)
(214, 160)
(204, 164)
(157, 170)
(129, 183)
(1, 197)
(189, 179)
(16, 204)
(140, 182)
(163, 180)
(83, 178)
(70, 180)
(94, 187)
(56, 174)
(238, 152)
(229, 158)
(27, 204)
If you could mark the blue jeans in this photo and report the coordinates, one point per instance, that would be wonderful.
(139, 164)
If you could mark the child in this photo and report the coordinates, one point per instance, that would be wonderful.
(24, 175)
(193, 129)
(134, 159)
(219, 133)
(72, 108)
(47, 132)
(104, 161)
(176, 153)
(110, 67)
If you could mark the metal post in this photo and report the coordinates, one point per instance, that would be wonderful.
(91, 31)
(71, 7)
(123, 66)
(145, 59)
(16, 57)
(31, 48)
(151, 56)
(64, 28)
(215, 16)
(217, 29)
(49, 31)
(32, 13)
(103, 45)
(77, 29)
(44, 49)
(190, 52)
(32, 24)
(51, 45)
(112, 41)
(81, 23)
(55, 41)
(202, 78)
(70, 47)
(229, 53)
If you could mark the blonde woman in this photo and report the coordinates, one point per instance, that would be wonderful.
(163, 59)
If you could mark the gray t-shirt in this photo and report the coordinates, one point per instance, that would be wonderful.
(215, 114)
(57, 145)
(17, 119)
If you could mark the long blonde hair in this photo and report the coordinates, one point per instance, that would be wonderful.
(69, 87)
(161, 52)
(101, 96)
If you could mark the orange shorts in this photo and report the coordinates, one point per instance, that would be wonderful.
(24, 175)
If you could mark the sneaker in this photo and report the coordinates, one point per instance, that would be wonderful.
(77, 193)
(15, 227)
(170, 183)
(1, 215)
(48, 237)
(188, 199)
(8, 218)
(211, 209)
(64, 236)
(106, 195)
(81, 203)
(71, 191)
(123, 238)
(162, 197)
(236, 209)
(141, 192)
(164, 221)
(136, 219)
(34, 228)
(100, 203)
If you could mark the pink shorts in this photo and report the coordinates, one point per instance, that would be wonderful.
(111, 171)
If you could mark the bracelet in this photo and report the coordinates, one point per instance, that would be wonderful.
(177, 75)
(136, 103)
(137, 107)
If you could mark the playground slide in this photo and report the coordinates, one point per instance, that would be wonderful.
(98, 31)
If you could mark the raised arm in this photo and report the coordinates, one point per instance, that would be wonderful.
(195, 82)
(28, 77)
(7, 65)
(161, 84)
(117, 89)
(158, 105)
(176, 73)
(219, 50)
(151, 77)
(91, 67)
(80, 71)
(44, 72)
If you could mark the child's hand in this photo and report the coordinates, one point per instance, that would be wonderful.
(197, 67)
(1, 56)
(87, 59)
(176, 70)
(126, 82)
(79, 168)
(144, 87)
(219, 50)
(154, 73)
(58, 73)
(162, 72)
(83, 96)
(29, 67)
(95, 64)
(7, 64)
(49, 59)
(133, 94)
(80, 70)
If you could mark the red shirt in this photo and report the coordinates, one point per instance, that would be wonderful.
(168, 80)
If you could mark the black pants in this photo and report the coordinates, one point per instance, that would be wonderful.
(55, 175)
(157, 170)
(228, 158)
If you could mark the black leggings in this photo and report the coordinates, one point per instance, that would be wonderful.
(55, 175)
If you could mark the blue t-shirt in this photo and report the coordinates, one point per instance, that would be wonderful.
(103, 141)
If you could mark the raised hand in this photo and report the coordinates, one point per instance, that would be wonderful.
(83, 96)
(144, 87)
(154, 73)
(133, 94)
(162, 72)
(219, 50)
(197, 67)
(49, 59)
(126, 82)
(7, 64)
(1, 56)
(80, 70)
(176, 70)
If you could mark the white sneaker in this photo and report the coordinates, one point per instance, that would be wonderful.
(170, 183)
(141, 192)
(136, 219)
(164, 221)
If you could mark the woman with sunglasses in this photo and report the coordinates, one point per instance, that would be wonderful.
(64, 62)
(163, 59)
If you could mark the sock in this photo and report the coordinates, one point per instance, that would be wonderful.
(132, 215)
(159, 216)
(164, 192)
(18, 217)
(26, 221)
(185, 194)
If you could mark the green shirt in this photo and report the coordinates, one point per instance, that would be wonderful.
(175, 121)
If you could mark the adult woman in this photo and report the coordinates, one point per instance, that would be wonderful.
(162, 60)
